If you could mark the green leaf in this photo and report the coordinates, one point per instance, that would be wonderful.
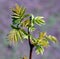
(26, 15)
(18, 14)
(25, 23)
(22, 11)
(14, 18)
(39, 20)
(24, 34)
(13, 27)
(16, 21)
(42, 35)
(39, 49)
(12, 36)
(16, 34)
(43, 42)
(20, 35)
(33, 40)
(52, 38)
(16, 38)
(24, 31)
(32, 29)
(17, 9)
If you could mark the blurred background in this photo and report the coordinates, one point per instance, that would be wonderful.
(49, 9)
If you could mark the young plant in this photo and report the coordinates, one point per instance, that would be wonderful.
(22, 21)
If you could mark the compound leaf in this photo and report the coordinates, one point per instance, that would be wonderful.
(39, 49)
(12, 36)
(52, 38)
(44, 42)
(42, 35)
(39, 20)
(18, 14)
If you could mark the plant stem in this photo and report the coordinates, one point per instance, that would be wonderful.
(31, 50)
(30, 45)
